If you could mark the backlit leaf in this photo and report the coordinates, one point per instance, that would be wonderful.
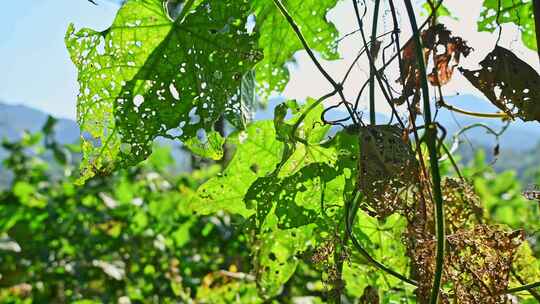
(518, 12)
(279, 41)
(149, 76)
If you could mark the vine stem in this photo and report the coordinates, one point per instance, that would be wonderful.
(338, 87)
(523, 288)
(401, 73)
(349, 220)
(372, 69)
(431, 134)
(475, 114)
(372, 64)
(535, 294)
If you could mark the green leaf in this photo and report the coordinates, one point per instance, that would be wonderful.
(257, 154)
(28, 195)
(289, 193)
(277, 258)
(383, 241)
(280, 42)
(149, 76)
(518, 12)
(232, 292)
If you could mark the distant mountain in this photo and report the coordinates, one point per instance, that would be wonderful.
(520, 135)
(15, 119)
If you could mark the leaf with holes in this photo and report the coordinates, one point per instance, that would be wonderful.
(256, 156)
(386, 167)
(149, 76)
(279, 41)
(518, 12)
(509, 83)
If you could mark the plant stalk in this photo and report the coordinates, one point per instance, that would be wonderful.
(372, 69)
(431, 139)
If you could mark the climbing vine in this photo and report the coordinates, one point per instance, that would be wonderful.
(365, 202)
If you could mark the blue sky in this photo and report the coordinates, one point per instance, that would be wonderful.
(35, 68)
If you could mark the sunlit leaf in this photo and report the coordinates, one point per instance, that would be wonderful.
(280, 43)
(518, 12)
(149, 76)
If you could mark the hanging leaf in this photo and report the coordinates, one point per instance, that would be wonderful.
(280, 42)
(386, 167)
(509, 83)
(479, 263)
(148, 76)
(479, 256)
(518, 12)
(447, 50)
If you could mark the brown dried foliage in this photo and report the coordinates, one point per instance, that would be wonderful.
(478, 263)
(478, 257)
(386, 167)
(462, 206)
(509, 83)
(447, 51)
(324, 256)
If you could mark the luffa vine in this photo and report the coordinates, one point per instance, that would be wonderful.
(150, 75)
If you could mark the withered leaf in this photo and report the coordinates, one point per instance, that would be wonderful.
(462, 205)
(509, 83)
(478, 256)
(386, 166)
(448, 50)
(479, 263)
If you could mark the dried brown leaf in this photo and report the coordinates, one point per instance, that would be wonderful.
(370, 296)
(386, 166)
(509, 83)
(448, 50)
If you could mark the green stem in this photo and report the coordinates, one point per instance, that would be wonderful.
(431, 138)
(372, 64)
(523, 288)
(350, 213)
(452, 161)
(372, 70)
(475, 114)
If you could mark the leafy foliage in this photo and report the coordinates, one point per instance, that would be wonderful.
(306, 210)
(518, 12)
(150, 76)
(280, 43)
